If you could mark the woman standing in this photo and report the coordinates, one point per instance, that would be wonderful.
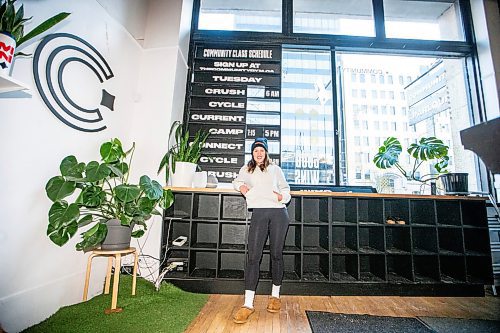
(267, 192)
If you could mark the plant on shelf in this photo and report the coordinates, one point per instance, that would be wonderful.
(185, 149)
(104, 193)
(428, 149)
(12, 22)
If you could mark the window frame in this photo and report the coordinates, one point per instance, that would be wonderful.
(379, 44)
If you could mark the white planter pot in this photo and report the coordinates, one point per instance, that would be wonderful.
(200, 179)
(7, 48)
(184, 174)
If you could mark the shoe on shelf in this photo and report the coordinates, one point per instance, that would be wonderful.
(241, 316)
(390, 220)
(400, 221)
(274, 304)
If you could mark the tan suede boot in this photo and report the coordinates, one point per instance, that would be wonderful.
(241, 316)
(274, 304)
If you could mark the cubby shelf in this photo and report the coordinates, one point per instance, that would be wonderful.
(440, 247)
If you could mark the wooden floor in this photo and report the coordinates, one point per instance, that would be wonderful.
(217, 313)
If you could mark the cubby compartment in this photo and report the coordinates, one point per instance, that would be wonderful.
(203, 264)
(293, 238)
(180, 271)
(424, 240)
(294, 210)
(426, 268)
(344, 268)
(315, 239)
(399, 269)
(397, 240)
(291, 264)
(232, 236)
(231, 265)
(315, 267)
(344, 239)
(179, 228)
(397, 209)
(372, 268)
(206, 206)
(344, 211)
(315, 210)
(479, 270)
(181, 208)
(422, 212)
(371, 239)
(233, 208)
(452, 269)
(370, 211)
(474, 213)
(477, 242)
(450, 241)
(204, 235)
(448, 212)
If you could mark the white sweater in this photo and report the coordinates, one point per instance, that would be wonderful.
(261, 186)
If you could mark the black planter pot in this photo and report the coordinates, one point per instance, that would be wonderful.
(455, 183)
(118, 237)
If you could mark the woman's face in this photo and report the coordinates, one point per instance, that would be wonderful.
(259, 154)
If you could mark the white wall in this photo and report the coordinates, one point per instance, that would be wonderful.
(131, 14)
(37, 277)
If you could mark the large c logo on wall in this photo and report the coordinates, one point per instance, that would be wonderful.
(52, 57)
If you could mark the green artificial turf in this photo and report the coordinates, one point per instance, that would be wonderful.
(168, 310)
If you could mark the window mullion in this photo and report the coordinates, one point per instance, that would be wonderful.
(378, 16)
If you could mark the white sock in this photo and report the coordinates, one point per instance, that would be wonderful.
(249, 296)
(276, 291)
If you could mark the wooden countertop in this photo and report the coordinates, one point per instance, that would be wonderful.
(334, 194)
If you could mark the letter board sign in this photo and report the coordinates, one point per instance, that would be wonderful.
(222, 146)
(218, 117)
(224, 160)
(224, 175)
(223, 79)
(218, 103)
(228, 81)
(233, 132)
(206, 90)
(269, 132)
(271, 53)
(223, 65)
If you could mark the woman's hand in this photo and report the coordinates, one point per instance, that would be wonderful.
(244, 189)
(280, 197)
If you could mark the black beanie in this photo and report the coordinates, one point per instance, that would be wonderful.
(262, 142)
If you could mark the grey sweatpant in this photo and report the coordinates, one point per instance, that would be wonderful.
(266, 221)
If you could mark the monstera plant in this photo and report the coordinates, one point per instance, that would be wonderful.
(428, 149)
(103, 193)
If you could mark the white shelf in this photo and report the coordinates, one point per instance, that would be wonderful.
(8, 84)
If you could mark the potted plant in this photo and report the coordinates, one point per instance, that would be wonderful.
(182, 157)
(12, 35)
(104, 198)
(428, 149)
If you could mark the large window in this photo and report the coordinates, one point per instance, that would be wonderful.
(351, 75)
(335, 17)
(436, 98)
(240, 15)
(431, 20)
(307, 148)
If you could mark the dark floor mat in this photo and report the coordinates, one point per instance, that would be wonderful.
(327, 322)
(457, 325)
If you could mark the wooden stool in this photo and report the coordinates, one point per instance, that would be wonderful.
(117, 254)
